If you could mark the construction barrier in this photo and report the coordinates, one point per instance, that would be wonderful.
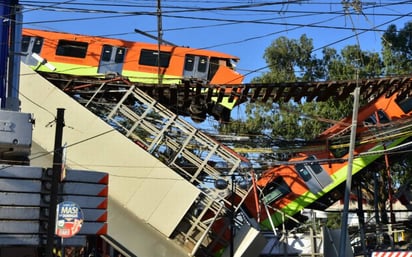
(392, 254)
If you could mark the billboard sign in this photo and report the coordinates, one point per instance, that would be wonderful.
(69, 219)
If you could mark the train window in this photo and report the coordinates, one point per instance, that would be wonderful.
(120, 55)
(35, 48)
(214, 66)
(381, 115)
(189, 63)
(150, 58)
(275, 190)
(106, 53)
(303, 172)
(72, 48)
(314, 165)
(202, 66)
(25, 42)
(38, 43)
(405, 104)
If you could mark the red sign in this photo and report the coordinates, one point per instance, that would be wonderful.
(69, 219)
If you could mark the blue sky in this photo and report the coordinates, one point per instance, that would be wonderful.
(244, 28)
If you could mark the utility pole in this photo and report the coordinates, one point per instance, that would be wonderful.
(344, 225)
(12, 89)
(57, 169)
(232, 216)
(159, 42)
(5, 12)
(10, 34)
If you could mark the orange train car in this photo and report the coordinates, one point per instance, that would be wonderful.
(91, 56)
(82, 55)
(315, 179)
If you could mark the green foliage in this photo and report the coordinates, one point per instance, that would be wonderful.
(291, 60)
(397, 49)
(401, 170)
(334, 220)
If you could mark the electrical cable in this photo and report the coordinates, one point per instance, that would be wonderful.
(298, 25)
(68, 1)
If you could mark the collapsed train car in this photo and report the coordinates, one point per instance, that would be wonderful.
(315, 179)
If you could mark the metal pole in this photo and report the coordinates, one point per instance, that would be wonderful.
(159, 40)
(388, 174)
(232, 217)
(57, 168)
(344, 225)
(376, 197)
(390, 197)
(5, 12)
(12, 88)
(361, 217)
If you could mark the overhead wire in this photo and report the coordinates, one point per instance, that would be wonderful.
(239, 21)
(336, 41)
(259, 4)
(232, 22)
(301, 25)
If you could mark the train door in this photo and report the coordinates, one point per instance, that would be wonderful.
(111, 59)
(30, 45)
(196, 66)
(315, 177)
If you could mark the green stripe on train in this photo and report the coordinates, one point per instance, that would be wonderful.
(84, 70)
(134, 76)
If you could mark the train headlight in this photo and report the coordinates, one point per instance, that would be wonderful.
(43, 61)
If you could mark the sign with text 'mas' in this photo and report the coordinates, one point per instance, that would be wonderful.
(69, 219)
(25, 204)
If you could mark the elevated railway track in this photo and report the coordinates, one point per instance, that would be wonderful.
(195, 98)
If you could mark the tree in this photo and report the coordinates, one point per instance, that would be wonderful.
(397, 49)
(351, 63)
(291, 60)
